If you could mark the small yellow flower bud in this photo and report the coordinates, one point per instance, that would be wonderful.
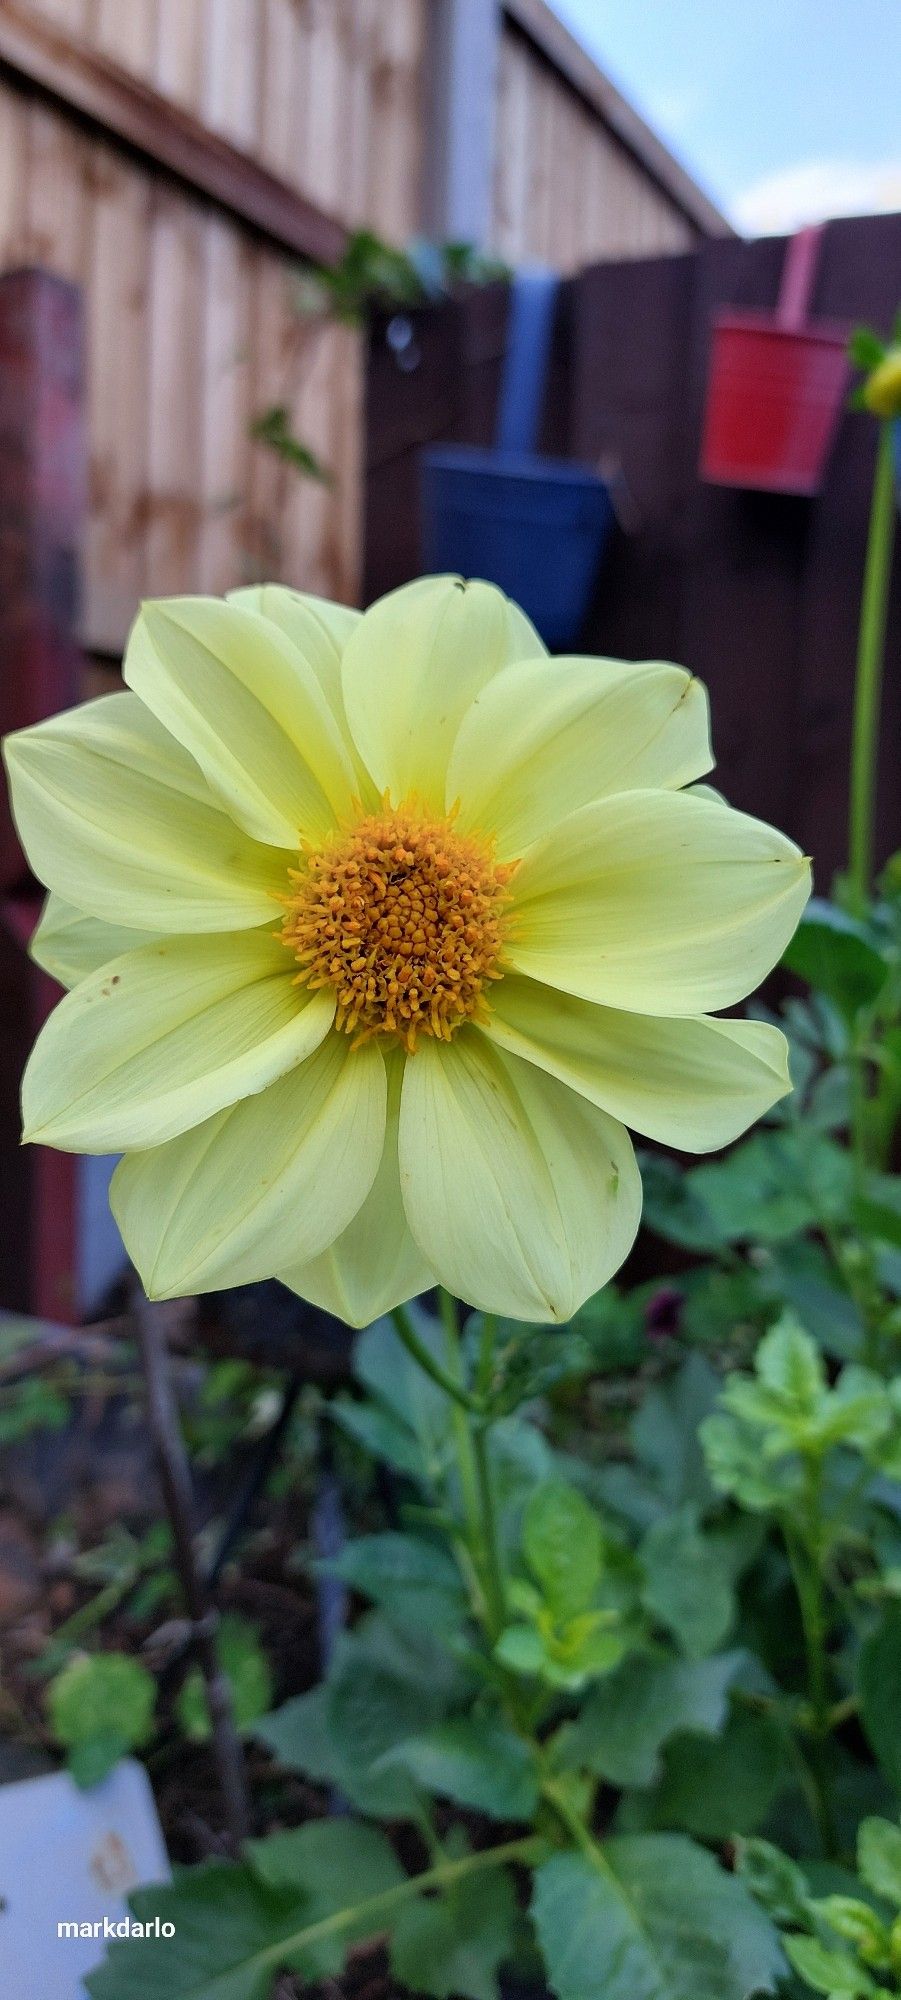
(882, 389)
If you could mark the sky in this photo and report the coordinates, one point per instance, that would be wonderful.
(786, 111)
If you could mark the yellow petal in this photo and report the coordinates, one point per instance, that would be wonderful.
(249, 708)
(116, 818)
(658, 902)
(267, 1184)
(547, 736)
(374, 1264)
(319, 629)
(159, 1039)
(523, 1197)
(68, 944)
(690, 1083)
(411, 669)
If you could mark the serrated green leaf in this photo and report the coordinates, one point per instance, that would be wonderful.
(776, 1882)
(382, 1688)
(879, 1858)
(100, 1706)
(475, 1760)
(232, 1935)
(687, 1583)
(879, 1684)
(788, 1363)
(563, 1546)
(715, 1787)
(659, 1920)
(827, 1971)
(664, 1432)
(833, 952)
(453, 1945)
(328, 1865)
(623, 1726)
(415, 1578)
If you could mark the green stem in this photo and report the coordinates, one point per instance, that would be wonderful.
(420, 1353)
(475, 1480)
(495, 1591)
(805, 1559)
(374, 1910)
(574, 1825)
(868, 680)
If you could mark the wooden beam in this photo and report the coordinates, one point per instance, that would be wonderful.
(100, 94)
(566, 55)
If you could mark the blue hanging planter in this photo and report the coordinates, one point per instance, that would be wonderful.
(535, 526)
(896, 439)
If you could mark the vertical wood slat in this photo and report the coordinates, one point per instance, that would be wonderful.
(565, 191)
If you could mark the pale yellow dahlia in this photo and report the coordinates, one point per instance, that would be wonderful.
(380, 931)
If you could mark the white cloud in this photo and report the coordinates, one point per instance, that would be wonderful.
(814, 190)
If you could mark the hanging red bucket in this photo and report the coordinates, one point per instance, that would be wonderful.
(776, 387)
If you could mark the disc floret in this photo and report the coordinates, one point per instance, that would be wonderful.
(404, 916)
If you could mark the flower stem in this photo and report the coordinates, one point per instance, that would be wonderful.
(417, 1349)
(475, 1476)
(868, 680)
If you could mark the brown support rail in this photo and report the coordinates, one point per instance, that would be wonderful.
(99, 93)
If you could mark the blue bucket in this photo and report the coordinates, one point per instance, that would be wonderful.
(535, 526)
(896, 438)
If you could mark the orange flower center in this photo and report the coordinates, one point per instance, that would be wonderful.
(404, 917)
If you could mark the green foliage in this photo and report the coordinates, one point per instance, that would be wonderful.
(623, 1726)
(246, 1668)
(273, 428)
(841, 1944)
(658, 1921)
(879, 1682)
(478, 1761)
(571, 1625)
(99, 1708)
(454, 1944)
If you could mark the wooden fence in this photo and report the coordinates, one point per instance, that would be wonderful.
(757, 593)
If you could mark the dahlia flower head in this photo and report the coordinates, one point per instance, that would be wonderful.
(380, 930)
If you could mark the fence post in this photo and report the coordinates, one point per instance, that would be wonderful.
(42, 509)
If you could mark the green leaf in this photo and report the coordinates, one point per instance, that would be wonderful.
(788, 1363)
(674, 1208)
(833, 952)
(879, 1685)
(382, 1689)
(236, 1929)
(687, 1585)
(827, 1971)
(329, 1865)
(657, 1920)
(716, 1787)
(246, 1668)
(415, 1578)
(563, 1546)
(879, 1858)
(777, 1883)
(477, 1761)
(865, 347)
(273, 428)
(100, 1707)
(664, 1433)
(622, 1727)
(454, 1944)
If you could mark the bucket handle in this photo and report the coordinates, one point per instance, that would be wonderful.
(799, 270)
(533, 302)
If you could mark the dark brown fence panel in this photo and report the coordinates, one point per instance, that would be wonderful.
(757, 593)
(42, 511)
